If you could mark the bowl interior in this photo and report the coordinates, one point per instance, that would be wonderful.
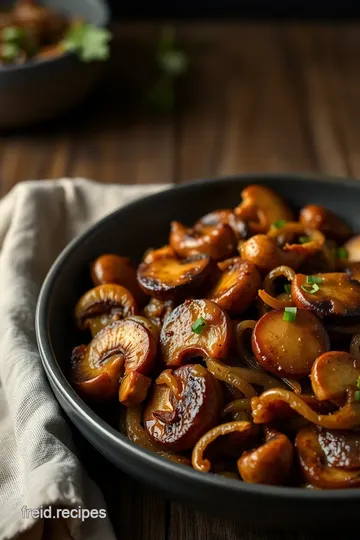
(145, 223)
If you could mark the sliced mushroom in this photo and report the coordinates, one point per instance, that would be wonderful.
(168, 278)
(157, 311)
(289, 348)
(352, 247)
(181, 339)
(333, 374)
(243, 431)
(133, 388)
(315, 467)
(227, 217)
(119, 270)
(177, 421)
(236, 287)
(148, 324)
(261, 207)
(270, 463)
(105, 303)
(216, 241)
(317, 217)
(124, 345)
(341, 448)
(294, 237)
(265, 254)
(336, 298)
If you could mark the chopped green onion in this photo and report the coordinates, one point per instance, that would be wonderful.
(198, 325)
(358, 382)
(314, 279)
(88, 41)
(279, 223)
(290, 314)
(10, 51)
(287, 288)
(342, 253)
(304, 239)
(310, 289)
(357, 395)
(13, 34)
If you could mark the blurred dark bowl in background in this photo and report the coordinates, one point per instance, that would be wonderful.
(42, 89)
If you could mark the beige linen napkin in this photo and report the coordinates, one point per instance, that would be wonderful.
(38, 463)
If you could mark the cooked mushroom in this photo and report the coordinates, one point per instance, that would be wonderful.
(334, 297)
(317, 217)
(133, 388)
(270, 463)
(104, 304)
(243, 430)
(261, 207)
(124, 345)
(195, 328)
(176, 421)
(216, 241)
(315, 466)
(341, 448)
(294, 237)
(166, 277)
(289, 348)
(119, 270)
(352, 247)
(227, 217)
(265, 254)
(148, 324)
(236, 287)
(333, 374)
(157, 311)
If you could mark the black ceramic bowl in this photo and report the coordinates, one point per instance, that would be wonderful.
(130, 231)
(42, 89)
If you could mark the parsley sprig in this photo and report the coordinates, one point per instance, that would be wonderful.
(88, 41)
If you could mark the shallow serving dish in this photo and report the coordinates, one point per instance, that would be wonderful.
(42, 89)
(149, 219)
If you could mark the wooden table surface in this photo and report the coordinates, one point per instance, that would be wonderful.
(258, 98)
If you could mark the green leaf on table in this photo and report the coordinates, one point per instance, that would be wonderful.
(89, 42)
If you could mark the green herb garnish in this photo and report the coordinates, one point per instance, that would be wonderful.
(10, 51)
(357, 395)
(13, 34)
(198, 325)
(279, 223)
(287, 288)
(342, 253)
(314, 279)
(304, 239)
(311, 289)
(88, 41)
(290, 314)
(358, 383)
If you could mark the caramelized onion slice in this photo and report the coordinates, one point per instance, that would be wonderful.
(315, 467)
(348, 417)
(202, 464)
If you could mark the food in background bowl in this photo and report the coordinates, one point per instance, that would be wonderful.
(236, 347)
(32, 31)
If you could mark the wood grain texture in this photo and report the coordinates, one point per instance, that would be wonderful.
(257, 98)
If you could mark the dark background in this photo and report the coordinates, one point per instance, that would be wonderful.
(144, 9)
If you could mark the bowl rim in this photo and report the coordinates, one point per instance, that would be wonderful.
(34, 63)
(115, 438)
